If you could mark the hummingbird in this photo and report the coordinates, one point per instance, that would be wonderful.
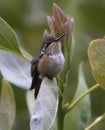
(47, 63)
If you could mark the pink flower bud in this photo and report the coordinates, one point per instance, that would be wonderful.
(60, 23)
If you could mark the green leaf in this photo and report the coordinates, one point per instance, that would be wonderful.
(7, 107)
(15, 69)
(8, 39)
(96, 53)
(78, 117)
(46, 106)
(4, 122)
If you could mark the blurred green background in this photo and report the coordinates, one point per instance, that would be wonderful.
(28, 19)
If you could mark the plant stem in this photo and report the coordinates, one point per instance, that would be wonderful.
(60, 115)
(99, 119)
(81, 97)
(60, 92)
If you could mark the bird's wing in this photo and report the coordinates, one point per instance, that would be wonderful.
(34, 63)
(35, 75)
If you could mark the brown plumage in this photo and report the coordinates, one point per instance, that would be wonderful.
(48, 62)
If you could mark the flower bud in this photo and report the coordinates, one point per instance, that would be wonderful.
(60, 23)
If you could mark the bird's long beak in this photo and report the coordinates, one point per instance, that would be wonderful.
(57, 39)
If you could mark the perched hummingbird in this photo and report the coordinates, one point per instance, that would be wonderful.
(47, 63)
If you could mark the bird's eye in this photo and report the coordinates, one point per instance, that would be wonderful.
(49, 43)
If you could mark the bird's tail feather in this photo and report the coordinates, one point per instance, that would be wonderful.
(37, 88)
(36, 82)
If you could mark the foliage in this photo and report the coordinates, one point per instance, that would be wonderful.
(47, 112)
(96, 54)
(7, 106)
